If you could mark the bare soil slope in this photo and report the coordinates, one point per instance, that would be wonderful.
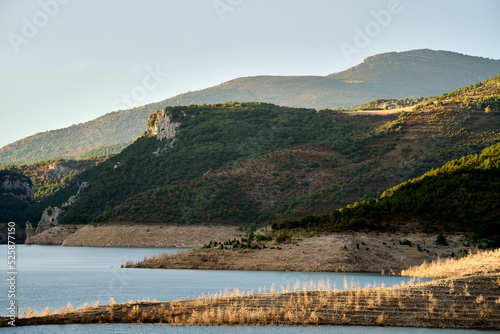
(143, 235)
(350, 252)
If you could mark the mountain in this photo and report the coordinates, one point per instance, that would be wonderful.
(419, 72)
(330, 171)
(253, 163)
(388, 75)
(244, 163)
(188, 142)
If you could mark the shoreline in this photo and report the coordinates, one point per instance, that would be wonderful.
(133, 235)
(329, 252)
(465, 302)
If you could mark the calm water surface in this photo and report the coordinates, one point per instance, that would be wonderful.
(54, 276)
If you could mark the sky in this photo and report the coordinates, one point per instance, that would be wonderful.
(65, 62)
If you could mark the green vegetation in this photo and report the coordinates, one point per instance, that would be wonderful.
(375, 104)
(50, 176)
(463, 195)
(11, 207)
(441, 240)
(479, 96)
(446, 132)
(210, 137)
(421, 72)
(201, 201)
(321, 161)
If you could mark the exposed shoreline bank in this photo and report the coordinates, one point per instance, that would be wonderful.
(328, 252)
(469, 302)
(134, 235)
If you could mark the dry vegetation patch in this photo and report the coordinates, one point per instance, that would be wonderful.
(470, 302)
(477, 263)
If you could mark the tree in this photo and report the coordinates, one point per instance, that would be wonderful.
(441, 240)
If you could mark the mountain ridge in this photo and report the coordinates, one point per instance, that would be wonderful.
(376, 77)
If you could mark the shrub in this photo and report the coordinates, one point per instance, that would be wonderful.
(441, 240)
(282, 237)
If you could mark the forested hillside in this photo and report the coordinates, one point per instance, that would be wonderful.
(209, 137)
(463, 195)
(322, 176)
(16, 195)
(253, 163)
(389, 75)
(50, 176)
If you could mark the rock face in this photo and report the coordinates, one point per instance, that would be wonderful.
(160, 124)
(59, 169)
(50, 216)
(74, 198)
(19, 187)
(30, 232)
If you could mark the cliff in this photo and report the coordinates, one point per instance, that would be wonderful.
(17, 186)
(160, 123)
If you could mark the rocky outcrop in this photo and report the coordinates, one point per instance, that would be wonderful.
(50, 216)
(74, 198)
(170, 144)
(19, 187)
(30, 232)
(56, 169)
(53, 235)
(160, 124)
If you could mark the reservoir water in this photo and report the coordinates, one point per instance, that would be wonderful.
(54, 276)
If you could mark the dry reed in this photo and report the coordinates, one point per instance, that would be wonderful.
(479, 263)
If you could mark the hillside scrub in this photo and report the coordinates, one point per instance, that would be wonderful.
(209, 137)
(281, 164)
(463, 195)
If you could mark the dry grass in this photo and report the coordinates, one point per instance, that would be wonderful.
(441, 303)
(479, 263)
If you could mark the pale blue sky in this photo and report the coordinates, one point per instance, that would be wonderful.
(84, 56)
